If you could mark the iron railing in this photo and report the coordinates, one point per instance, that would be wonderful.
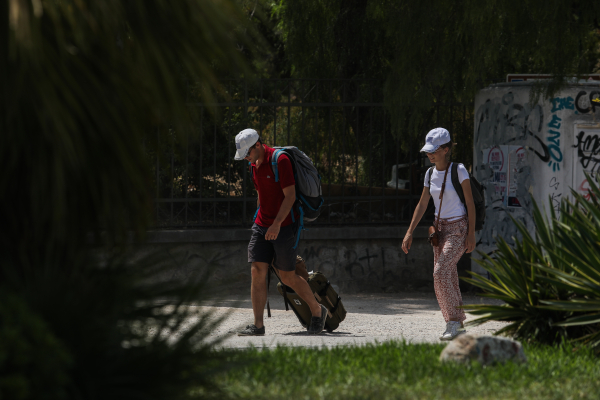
(341, 125)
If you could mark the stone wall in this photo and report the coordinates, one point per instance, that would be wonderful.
(355, 259)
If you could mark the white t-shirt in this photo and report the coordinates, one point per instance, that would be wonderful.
(452, 207)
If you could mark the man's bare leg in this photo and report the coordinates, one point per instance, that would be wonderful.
(258, 292)
(301, 287)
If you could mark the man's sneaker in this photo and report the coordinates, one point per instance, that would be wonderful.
(318, 323)
(453, 330)
(252, 330)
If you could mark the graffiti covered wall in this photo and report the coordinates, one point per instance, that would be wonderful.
(524, 151)
(354, 266)
(355, 258)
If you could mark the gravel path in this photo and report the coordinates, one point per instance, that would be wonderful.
(415, 317)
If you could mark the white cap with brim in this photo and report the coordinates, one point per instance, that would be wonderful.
(243, 141)
(435, 138)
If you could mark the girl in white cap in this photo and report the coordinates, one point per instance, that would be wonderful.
(455, 223)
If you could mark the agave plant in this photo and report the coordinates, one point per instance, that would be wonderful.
(549, 281)
(579, 235)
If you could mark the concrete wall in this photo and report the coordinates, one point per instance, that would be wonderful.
(524, 150)
(356, 259)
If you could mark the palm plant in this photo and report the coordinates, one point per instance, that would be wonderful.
(81, 83)
(550, 281)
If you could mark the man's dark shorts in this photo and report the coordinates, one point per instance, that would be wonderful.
(280, 249)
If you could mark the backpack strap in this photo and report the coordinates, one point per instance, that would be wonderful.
(274, 167)
(436, 221)
(456, 183)
(430, 172)
(274, 160)
(252, 179)
(300, 224)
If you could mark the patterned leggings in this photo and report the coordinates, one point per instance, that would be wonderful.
(451, 247)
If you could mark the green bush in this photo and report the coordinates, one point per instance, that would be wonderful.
(110, 328)
(33, 363)
(84, 82)
(550, 281)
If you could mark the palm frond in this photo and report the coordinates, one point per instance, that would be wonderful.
(83, 84)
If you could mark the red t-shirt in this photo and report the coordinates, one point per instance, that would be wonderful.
(270, 192)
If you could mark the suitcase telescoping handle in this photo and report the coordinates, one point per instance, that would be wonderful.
(300, 270)
(285, 299)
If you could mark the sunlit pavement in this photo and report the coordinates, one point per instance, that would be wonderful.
(414, 317)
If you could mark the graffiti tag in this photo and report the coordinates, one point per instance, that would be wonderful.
(516, 123)
(588, 151)
(556, 156)
(583, 101)
(562, 103)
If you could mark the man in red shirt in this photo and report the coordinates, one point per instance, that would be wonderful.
(274, 231)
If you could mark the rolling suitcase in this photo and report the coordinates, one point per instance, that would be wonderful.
(323, 292)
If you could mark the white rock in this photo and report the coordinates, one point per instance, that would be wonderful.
(486, 350)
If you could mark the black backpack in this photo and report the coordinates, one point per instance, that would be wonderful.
(477, 190)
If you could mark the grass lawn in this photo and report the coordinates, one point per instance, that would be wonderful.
(397, 370)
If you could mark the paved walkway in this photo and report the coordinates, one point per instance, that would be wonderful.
(414, 316)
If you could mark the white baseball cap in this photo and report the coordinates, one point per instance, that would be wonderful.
(435, 138)
(243, 141)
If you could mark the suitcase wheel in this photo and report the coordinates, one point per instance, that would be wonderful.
(328, 328)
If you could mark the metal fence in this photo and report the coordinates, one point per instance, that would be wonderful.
(369, 175)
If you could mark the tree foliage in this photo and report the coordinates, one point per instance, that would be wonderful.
(82, 84)
(438, 52)
(87, 81)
